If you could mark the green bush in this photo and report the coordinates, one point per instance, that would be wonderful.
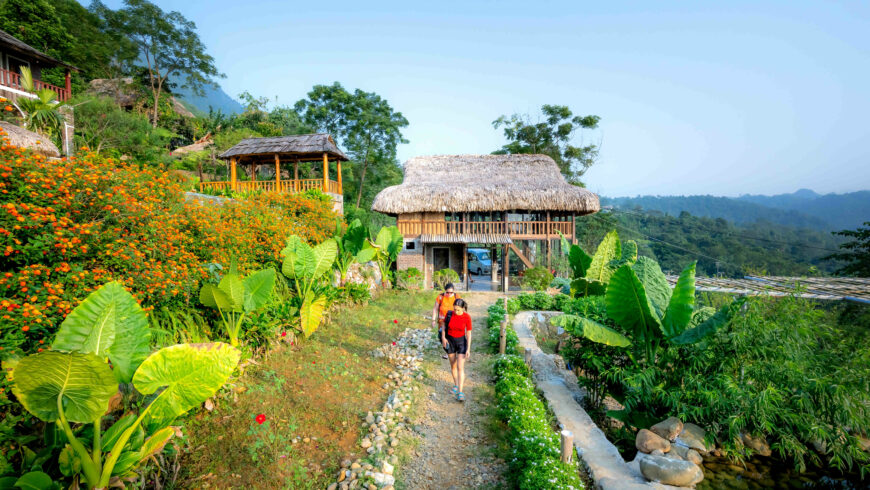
(411, 278)
(496, 315)
(444, 276)
(537, 278)
(535, 453)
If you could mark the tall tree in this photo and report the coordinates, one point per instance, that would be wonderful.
(363, 122)
(168, 46)
(552, 135)
(857, 252)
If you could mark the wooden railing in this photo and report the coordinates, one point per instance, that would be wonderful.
(13, 80)
(270, 185)
(512, 228)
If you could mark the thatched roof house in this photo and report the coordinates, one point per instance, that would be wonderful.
(448, 204)
(23, 138)
(465, 183)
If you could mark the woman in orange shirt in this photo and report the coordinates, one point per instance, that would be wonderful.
(443, 305)
(456, 338)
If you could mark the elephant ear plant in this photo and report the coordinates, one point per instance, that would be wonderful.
(236, 297)
(73, 384)
(389, 242)
(353, 245)
(306, 266)
(592, 273)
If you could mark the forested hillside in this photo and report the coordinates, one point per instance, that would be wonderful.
(841, 211)
(719, 246)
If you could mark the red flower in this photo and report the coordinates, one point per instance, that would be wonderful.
(395, 321)
(260, 418)
(283, 334)
(394, 343)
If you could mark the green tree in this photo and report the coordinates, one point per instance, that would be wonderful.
(857, 252)
(168, 44)
(363, 122)
(552, 135)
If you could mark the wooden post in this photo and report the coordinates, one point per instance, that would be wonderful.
(233, 173)
(567, 446)
(296, 175)
(502, 336)
(528, 356)
(574, 229)
(67, 85)
(465, 264)
(493, 262)
(549, 225)
(277, 173)
(325, 172)
(505, 269)
(340, 188)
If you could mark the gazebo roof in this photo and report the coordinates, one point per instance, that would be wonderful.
(467, 183)
(302, 146)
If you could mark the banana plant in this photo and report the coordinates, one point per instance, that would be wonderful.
(306, 266)
(41, 113)
(236, 297)
(353, 245)
(640, 300)
(74, 384)
(389, 242)
(592, 273)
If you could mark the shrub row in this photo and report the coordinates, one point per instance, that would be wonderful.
(535, 449)
(497, 314)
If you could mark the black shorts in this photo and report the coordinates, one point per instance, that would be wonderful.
(457, 345)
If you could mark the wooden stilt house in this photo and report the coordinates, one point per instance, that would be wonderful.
(509, 204)
(272, 165)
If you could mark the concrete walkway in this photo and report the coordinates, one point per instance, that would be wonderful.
(559, 386)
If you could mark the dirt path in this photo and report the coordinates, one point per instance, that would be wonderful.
(457, 450)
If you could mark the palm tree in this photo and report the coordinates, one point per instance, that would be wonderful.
(41, 114)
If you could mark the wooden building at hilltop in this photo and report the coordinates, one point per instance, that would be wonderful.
(279, 158)
(505, 203)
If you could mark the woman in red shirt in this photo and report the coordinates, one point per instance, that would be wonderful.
(456, 338)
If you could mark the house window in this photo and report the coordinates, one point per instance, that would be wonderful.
(412, 245)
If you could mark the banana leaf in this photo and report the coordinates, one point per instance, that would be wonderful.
(681, 305)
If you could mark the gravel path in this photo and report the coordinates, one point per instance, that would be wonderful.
(456, 450)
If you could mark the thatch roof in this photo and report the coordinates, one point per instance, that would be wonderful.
(19, 47)
(466, 183)
(302, 146)
(23, 138)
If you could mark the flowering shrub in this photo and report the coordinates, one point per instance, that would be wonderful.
(535, 451)
(68, 226)
(496, 316)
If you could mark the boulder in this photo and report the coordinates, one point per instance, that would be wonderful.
(368, 274)
(669, 428)
(692, 436)
(648, 441)
(123, 90)
(179, 108)
(669, 471)
(757, 444)
(686, 453)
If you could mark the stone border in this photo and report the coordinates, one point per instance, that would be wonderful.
(559, 387)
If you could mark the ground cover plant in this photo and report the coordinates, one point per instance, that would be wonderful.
(535, 449)
(317, 389)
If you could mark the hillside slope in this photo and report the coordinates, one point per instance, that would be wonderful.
(842, 211)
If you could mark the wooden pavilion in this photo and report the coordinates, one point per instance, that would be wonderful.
(447, 203)
(277, 154)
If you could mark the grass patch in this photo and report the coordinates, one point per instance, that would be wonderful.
(320, 389)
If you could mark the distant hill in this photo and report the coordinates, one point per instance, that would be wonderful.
(214, 97)
(801, 209)
(841, 211)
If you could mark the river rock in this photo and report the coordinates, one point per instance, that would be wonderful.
(365, 444)
(687, 454)
(381, 479)
(671, 471)
(668, 429)
(693, 436)
(387, 468)
(648, 441)
(757, 444)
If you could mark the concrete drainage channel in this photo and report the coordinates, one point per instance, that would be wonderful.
(560, 388)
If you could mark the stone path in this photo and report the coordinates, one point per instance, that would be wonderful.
(456, 451)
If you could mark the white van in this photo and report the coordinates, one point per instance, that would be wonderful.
(479, 261)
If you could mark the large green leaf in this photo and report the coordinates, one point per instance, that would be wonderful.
(35, 480)
(111, 436)
(108, 323)
(258, 288)
(712, 324)
(579, 260)
(627, 304)
(156, 442)
(323, 256)
(234, 287)
(188, 373)
(609, 249)
(356, 237)
(658, 291)
(585, 287)
(84, 383)
(213, 297)
(590, 329)
(390, 241)
(311, 313)
(367, 252)
(682, 304)
(292, 261)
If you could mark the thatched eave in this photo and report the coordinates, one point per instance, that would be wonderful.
(479, 183)
(300, 146)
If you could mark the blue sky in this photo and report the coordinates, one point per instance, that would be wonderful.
(694, 97)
